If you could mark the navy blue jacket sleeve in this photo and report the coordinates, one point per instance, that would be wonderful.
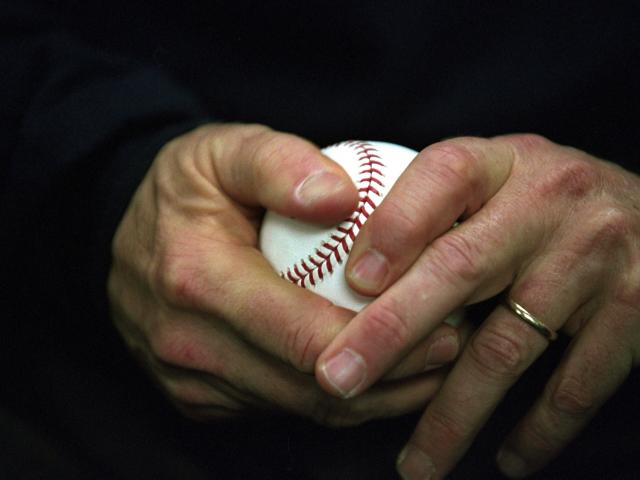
(78, 130)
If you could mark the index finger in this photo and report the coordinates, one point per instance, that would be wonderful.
(446, 274)
(446, 181)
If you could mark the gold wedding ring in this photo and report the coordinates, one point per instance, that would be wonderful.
(530, 319)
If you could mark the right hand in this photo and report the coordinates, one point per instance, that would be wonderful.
(194, 299)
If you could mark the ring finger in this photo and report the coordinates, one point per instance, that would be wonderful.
(595, 365)
(500, 351)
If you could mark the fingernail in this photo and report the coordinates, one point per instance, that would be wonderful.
(345, 372)
(414, 464)
(370, 271)
(319, 185)
(511, 464)
(443, 350)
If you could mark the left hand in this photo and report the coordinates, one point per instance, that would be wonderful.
(555, 228)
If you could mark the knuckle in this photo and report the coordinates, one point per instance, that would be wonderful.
(270, 147)
(455, 258)
(179, 158)
(626, 294)
(606, 234)
(175, 347)
(571, 176)
(445, 428)
(526, 143)
(275, 152)
(611, 224)
(226, 140)
(398, 225)
(188, 394)
(177, 280)
(269, 144)
(306, 336)
(402, 217)
(302, 346)
(276, 149)
(573, 398)
(499, 352)
(386, 327)
(452, 164)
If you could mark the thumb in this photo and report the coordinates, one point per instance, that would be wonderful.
(257, 166)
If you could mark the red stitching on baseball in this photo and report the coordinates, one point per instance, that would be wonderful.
(340, 240)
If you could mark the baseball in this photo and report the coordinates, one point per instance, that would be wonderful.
(314, 257)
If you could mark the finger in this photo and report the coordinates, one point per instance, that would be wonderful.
(469, 263)
(446, 181)
(300, 338)
(216, 369)
(392, 399)
(595, 365)
(442, 346)
(470, 394)
(191, 390)
(239, 289)
(499, 352)
(257, 166)
(242, 289)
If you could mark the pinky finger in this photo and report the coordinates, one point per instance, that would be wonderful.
(595, 366)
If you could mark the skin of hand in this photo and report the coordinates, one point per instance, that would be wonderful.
(219, 331)
(551, 226)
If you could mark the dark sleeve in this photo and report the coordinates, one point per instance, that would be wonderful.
(78, 131)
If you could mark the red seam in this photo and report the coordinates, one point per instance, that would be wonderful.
(322, 261)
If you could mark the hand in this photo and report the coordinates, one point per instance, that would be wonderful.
(558, 230)
(192, 296)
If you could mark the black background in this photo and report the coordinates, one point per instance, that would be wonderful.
(91, 90)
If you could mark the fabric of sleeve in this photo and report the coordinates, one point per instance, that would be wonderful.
(79, 129)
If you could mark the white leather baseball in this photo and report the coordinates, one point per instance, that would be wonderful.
(314, 257)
